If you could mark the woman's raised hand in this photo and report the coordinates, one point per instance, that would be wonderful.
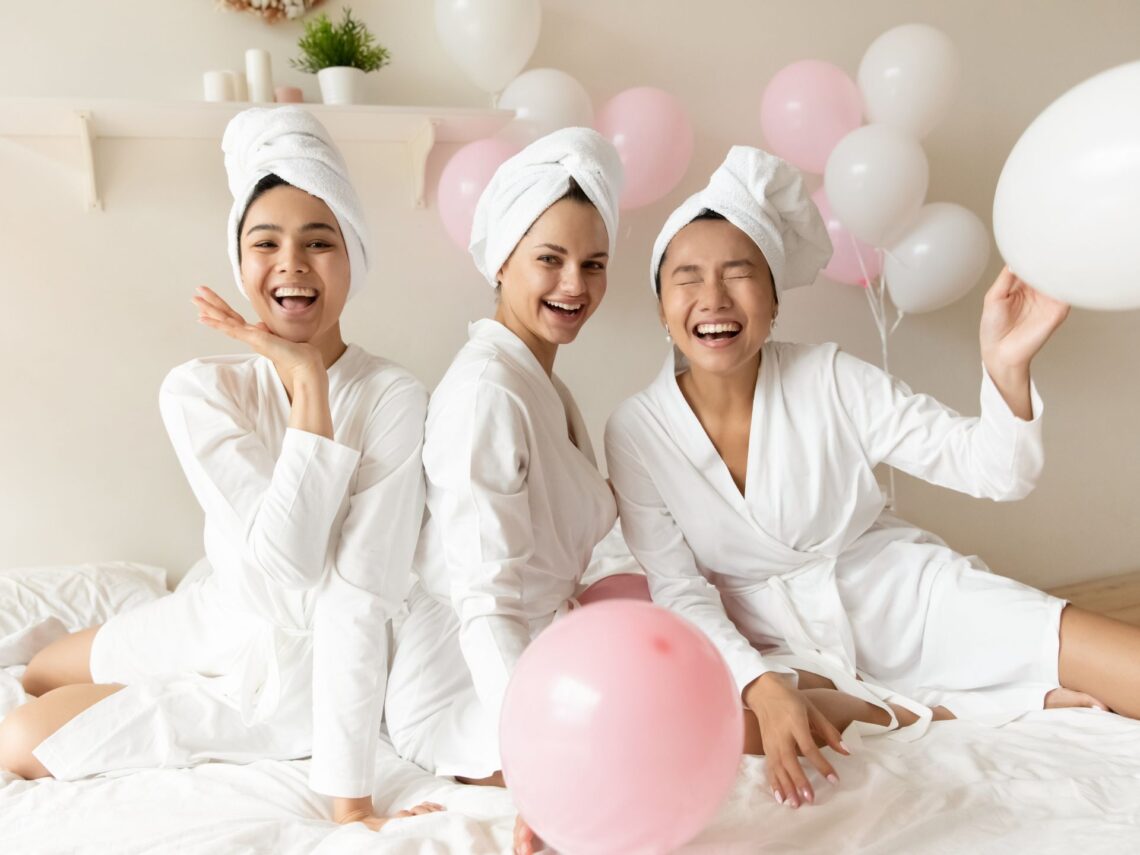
(288, 356)
(789, 724)
(1017, 320)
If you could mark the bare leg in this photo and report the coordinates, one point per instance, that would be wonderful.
(838, 707)
(65, 662)
(1101, 657)
(29, 725)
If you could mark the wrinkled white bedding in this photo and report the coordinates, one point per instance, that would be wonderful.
(1058, 781)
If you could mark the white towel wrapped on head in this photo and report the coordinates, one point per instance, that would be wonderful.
(764, 197)
(533, 180)
(291, 144)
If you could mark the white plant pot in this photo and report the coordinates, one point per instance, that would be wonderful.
(341, 85)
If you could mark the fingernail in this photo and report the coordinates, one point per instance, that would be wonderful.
(843, 745)
(833, 778)
(778, 796)
(806, 794)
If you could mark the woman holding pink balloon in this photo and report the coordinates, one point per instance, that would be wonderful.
(745, 480)
(517, 504)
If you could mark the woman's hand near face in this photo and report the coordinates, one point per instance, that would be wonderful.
(1016, 322)
(298, 364)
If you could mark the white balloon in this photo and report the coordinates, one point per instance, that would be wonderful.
(545, 100)
(876, 179)
(938, 260)
(491, 40)
(909, 77)
(1067, 205)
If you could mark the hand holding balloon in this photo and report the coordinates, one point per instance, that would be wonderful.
(1016, 322)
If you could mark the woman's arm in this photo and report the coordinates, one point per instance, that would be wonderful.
(279, 509)
(786, 718)
(366, 584)
(477, 465)
(659, 545)
(1016, 323)
(999, 455)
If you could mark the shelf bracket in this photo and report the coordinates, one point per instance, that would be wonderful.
(419, 148)
(92, 201)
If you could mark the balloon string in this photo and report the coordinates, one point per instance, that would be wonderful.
(877, 299)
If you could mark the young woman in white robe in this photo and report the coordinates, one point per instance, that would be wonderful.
(305, 458)
(517, 504)
(744, 476)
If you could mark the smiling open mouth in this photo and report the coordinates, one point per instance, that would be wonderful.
(717, 332)
(565, 309)
(294, 298)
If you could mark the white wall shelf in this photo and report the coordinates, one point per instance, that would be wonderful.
(89, 119)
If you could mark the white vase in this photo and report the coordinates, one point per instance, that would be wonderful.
(341, 84)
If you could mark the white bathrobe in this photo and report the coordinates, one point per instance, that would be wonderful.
(282, 650)
(517, 507)
(805, 569)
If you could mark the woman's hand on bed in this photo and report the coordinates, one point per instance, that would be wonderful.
(789, 724)
(361, 810)
(290, 357)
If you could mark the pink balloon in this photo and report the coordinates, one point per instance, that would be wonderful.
(653, 135)
(844, 265)
(807, 108)
(464, 179)
(621, 731)
(620, 586)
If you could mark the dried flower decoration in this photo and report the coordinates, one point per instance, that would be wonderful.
(272, 11)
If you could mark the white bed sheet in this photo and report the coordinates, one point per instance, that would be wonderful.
(1054, 782)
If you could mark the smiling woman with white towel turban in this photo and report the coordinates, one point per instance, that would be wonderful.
(746, 485)
(305, 458)
(518, 506)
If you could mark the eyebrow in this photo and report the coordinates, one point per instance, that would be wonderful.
(308, 227)
(565, 251)
(696, 268)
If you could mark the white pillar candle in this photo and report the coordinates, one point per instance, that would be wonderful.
(241, 91)
(217, 86)
(259, 75)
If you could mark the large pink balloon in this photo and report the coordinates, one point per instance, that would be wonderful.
(621, 731)
(464, 179)
(807, 108)
(847, 249)
(653, 135)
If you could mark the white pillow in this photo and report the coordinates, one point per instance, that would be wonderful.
(39, 604)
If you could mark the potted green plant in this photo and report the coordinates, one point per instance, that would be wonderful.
(340, 55)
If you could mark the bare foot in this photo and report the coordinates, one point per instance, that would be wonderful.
(526, 841)
(1060, 698)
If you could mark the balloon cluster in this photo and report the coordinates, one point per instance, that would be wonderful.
(876, 175)
(492, 40)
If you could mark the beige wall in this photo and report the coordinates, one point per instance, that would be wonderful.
(95, 306)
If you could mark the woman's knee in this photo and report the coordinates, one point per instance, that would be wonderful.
(64, 662)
